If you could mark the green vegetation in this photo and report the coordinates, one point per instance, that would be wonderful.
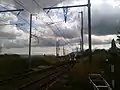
(79, 76)
(107, 69)
(11, 65)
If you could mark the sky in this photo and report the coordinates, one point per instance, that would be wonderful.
(14, 26)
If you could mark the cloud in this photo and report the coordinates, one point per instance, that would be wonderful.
(96, 40)
(10, 34)
(105, 19)
(103, 24)
(13, 45)
(35, 50)
(99, 40)
(44, 41)
(8, 31)
(33, 6)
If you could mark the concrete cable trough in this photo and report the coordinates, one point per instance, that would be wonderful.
(98, 82)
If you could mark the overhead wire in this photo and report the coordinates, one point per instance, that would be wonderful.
(50, 19)
(47, 15)
(66, 41)
(18, 2)
(28, 23)
(42, 20)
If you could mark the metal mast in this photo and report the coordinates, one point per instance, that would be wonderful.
(30, 36)
(81, 41)
(89, 30)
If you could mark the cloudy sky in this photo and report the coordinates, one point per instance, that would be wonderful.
(49, 26)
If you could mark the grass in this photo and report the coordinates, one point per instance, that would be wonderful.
(52, 59)
(13, 64)
(78, 77)
(10, 65)
(81, 70)
(116, 75)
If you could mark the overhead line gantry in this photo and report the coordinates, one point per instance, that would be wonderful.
(89, 22)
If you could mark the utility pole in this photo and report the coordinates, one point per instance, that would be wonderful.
(80, 45)
(30, 36)
(63, 51)
(89, 30)
(82, 31)
(81, 41)
(113, 60)
(57, 48)
(76, 49)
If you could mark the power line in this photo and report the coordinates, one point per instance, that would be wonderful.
(35, 28)
(22, 17)
(89, 22)
(66, 7)
(28, 12)
(11, 10)
(43, 39)
(18, 2)
(47, 15)
(50, 18)
(66, 41)
(49, 26)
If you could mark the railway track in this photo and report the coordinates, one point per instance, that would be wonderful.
(23, 75)
(37, 79)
